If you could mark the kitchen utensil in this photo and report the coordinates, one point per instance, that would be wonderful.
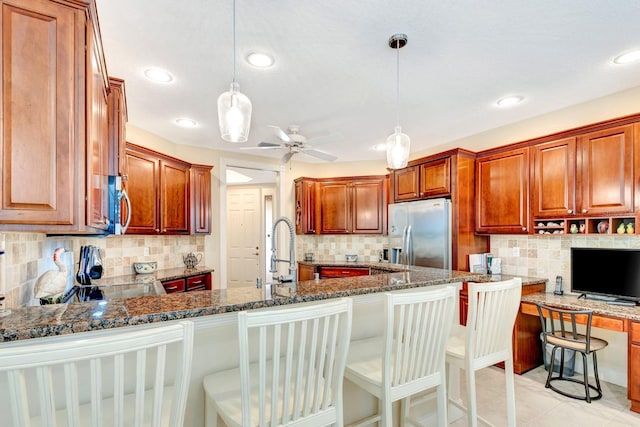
(145, 267)
(191, 259)
(95, 263)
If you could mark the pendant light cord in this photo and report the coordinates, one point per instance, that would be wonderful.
(397, 83)
(234, 39)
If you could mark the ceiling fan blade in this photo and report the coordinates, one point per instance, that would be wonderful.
(260, 148)
(269, 144)
(280, 133)
(286, 157)
(320, 154)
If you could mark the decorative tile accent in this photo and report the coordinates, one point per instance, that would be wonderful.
(335, 247)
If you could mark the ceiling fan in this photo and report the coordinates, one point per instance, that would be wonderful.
(295, 143)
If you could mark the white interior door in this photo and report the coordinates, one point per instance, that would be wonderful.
(243, 236)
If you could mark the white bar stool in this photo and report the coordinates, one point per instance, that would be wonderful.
(115, 377)
(486, 340)
(291, 368)
(410, 357)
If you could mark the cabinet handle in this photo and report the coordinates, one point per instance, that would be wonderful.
(569, 211)
(157, 230)
(584, 210)
(171, 288)
(524, 228)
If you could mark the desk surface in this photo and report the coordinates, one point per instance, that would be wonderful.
(571, 301)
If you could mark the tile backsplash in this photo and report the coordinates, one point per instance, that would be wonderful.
(29, 255)
(335, 247)
(550, 255)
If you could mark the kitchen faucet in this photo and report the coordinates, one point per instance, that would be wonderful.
(292, 279)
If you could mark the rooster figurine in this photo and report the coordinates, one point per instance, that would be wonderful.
(53, 282)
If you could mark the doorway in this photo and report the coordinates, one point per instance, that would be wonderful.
(250, 209)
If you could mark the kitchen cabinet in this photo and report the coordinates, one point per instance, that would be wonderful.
(305, 272)
(117, 119)
(337, 272)
(502, 192)
(352, 205)
(633, 382)
(305, 199)
(200, 199)
(428, 179)
(199, 282)
(584, 175)
(168, 195)
(158, 187)
(53, 117)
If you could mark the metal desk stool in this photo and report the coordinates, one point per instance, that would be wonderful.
(125, 376)
(559, 329)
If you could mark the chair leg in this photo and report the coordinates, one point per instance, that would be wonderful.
(595, 372)
(585, 368)
(385, 413)
(405, 406)
(472, 406)
(511, 395)
(441, 391)
(551, 365)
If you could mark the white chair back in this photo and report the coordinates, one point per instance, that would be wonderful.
(101, 378)
(416, 333)
(493, 308)
(299, 358)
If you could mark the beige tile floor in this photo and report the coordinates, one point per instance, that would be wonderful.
(541, 407)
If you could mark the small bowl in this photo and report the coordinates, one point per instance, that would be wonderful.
(145, 267)
(351, 258)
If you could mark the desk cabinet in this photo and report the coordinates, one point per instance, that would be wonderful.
(336, 272)
(199, 282)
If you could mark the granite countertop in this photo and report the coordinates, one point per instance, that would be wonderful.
(571, 302)
(57, 319)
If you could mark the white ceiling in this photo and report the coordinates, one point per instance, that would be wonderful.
(335, 74)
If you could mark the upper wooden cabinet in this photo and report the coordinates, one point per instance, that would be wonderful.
(168, 195)
(424, 180)
(200, 199)
(117, 120)
(53, 117)
(305, 200)
(605, 171)
(347, 205)
(585, 175)
(502, 192)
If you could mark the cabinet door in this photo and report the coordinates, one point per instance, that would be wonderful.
(116, 119)
(171, 286)
(305, 207)
(368, 206)
(502, 193)
(405, 184)
(97, 173)
(435, 178)
(554, 178)
(174, 197)
(200, 199)
(142, 184)
(335, 215)
(200, 282)
(606, 171)
(336, 272)
(40, 115)
(305, 272)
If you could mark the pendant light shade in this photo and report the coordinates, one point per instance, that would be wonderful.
(234, 107)
(398, 143)
(234, 115)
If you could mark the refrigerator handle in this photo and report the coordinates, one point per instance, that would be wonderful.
(408, 250)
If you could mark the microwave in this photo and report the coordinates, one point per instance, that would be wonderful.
(118, 224)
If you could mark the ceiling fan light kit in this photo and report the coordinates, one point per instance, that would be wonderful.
(234, 107)
(398, 143)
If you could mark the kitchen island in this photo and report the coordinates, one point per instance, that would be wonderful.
(215, 316)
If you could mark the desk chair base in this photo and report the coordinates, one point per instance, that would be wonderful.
(585, 381)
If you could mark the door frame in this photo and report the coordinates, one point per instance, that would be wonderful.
(279, 204)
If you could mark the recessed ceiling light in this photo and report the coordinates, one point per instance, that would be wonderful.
(158, 75)
(380, 147)
(261, 60)
(509, 101)
(628, 57)
(186, 123)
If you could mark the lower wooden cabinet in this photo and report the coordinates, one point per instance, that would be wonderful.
(633, 370)
(198, 282)
(305, 272)
(336, 272)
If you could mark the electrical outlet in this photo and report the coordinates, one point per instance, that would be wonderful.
(516, 251)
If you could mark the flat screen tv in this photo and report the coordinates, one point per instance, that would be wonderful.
(601, 273)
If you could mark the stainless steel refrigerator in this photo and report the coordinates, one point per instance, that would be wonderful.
(421, 230)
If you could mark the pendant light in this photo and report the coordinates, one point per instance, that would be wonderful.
(234, 108)
(398, 143)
